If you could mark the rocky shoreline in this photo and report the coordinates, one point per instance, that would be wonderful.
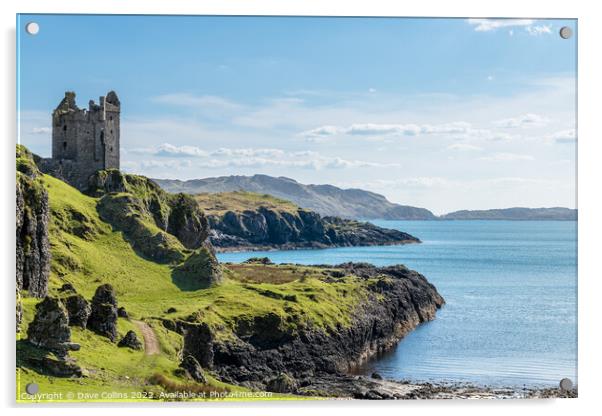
(266, 354)
(376, 388)
(304, 246)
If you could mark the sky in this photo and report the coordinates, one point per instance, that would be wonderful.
(445, 114)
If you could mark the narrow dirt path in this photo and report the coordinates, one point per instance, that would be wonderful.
(151, 343)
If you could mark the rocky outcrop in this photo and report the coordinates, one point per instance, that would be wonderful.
(130, 340)
(122, 313)
(263, 355)
(199, 343)
(186, 221)
(283, 383)
(270, 228)
(160, 226)
(78, 309)
(61, 367)
(200, 270)
(193, 369)
(32, 216)
(50, 328)
(103, 317)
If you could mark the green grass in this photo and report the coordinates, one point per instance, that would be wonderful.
(239, 201)
(87, 252)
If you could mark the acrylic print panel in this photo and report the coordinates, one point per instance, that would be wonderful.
(269, 208)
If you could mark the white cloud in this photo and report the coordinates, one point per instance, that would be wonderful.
(539, 30)
(506, 157)
(169, 150)
(248, 152)
(524, 120)
(323, 131)
(487, 25)
(383, 129)
(244, 157)
(564, 136)
(457, 130)
(41, 130)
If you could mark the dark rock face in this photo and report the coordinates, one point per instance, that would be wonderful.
(105, 294)
(187, 222)
(32, 215)
(103, 317)
(67, 287)
(130, 340)
(268, 228)
(122, 313)
(110, 180)
(399, 299)
(78, 309)
(193, 369)
(103, 320)
(50, 327)
(283, 383)
(198, 343)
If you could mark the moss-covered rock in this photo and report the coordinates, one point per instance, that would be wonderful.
(159, 225)
(50, 327)
(200, 270)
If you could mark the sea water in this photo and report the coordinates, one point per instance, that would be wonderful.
(510, 288)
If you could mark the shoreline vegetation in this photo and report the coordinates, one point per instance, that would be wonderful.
(104, 275)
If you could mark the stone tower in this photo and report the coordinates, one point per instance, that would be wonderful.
(84, 141)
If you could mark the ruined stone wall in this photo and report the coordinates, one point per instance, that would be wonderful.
(83, 141)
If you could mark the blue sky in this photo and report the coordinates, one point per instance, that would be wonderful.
(441, 113)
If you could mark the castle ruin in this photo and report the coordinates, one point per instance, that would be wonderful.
(83, 140)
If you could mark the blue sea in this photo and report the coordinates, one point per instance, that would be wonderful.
(511, 293)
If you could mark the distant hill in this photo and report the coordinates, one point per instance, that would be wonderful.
(556, 213)
(326, 200)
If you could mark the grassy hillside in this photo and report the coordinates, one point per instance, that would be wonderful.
(239, 201)
(87, 251)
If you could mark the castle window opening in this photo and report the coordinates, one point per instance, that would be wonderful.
(64, 145)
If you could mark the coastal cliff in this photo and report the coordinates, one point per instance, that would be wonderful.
(248, 221)
(257, 352)
(129, 262)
